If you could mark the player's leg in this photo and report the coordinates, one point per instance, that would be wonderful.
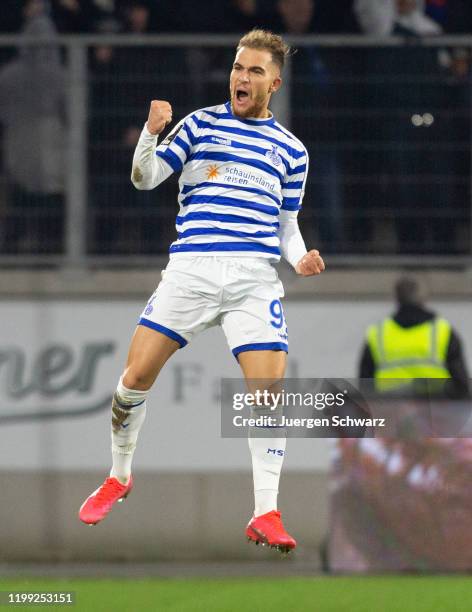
(149, 351)
(264, 370)
(256, 331)
(183, 305)
(262, 364)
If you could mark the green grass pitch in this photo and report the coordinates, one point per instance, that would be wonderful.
(321, 594)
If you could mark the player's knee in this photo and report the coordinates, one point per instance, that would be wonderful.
(134, 379)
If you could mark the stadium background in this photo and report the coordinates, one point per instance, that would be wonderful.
(386, 120)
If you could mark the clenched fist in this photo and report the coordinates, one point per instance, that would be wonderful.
(310, 264)
(160, 114)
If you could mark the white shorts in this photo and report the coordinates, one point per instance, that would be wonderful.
(240, 294)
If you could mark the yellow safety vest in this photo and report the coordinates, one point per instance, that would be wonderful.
(412, 353)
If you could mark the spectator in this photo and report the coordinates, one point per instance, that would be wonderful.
(243, 15)
(415, 173)
(85, 16)
(414, 343)
(387, 17)
(326, 17)
(136, 17)
(123, 80)
(32, 101)
(402, 500)
(315, 73)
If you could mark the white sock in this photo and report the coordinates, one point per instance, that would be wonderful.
(267, 459)
(265, 501)
(128, 412)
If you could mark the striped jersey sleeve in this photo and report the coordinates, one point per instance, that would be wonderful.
(176, 147)
(293, 187)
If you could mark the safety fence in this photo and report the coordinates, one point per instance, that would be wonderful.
(386, 122)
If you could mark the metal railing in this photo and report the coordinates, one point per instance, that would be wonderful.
(387, 123)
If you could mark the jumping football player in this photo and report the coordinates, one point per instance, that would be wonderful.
(242, 180)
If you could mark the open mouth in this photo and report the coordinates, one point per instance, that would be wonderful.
(241, 95)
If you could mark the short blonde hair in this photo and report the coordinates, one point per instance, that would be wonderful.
(267, 41)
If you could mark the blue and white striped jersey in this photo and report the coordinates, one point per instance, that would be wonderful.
(236, 176)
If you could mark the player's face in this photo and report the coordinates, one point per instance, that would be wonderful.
(254, 78)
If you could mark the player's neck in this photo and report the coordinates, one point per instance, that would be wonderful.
(262, 113)
(265, 114)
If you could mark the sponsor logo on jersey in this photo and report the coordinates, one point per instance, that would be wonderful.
(275, 451)
(222, 141)
(212, 172)
(274, 156)
(238, 176)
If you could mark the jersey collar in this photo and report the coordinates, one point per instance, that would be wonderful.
(269, 121)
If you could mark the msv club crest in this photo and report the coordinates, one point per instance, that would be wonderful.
(274, 156)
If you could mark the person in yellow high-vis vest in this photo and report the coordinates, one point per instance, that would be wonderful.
(412, 345)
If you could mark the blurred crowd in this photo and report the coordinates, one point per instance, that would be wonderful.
(153, 16)
(380, 181)
(223, 16)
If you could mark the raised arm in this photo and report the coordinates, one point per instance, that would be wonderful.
(149, 170)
